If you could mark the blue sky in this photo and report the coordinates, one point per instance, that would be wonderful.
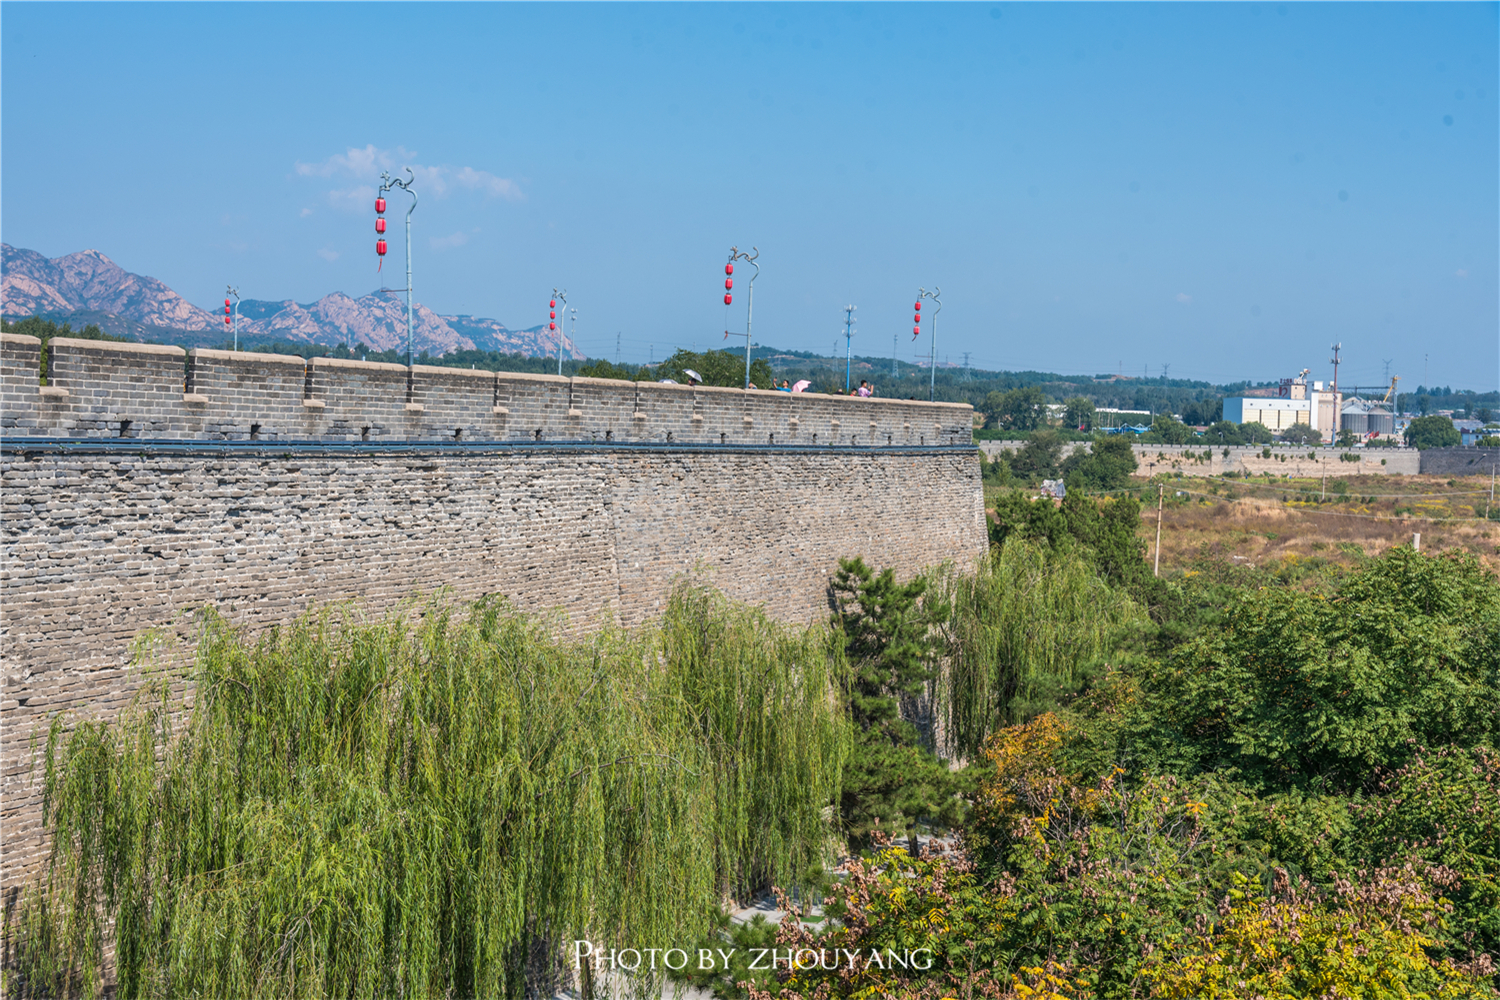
(1225, 188)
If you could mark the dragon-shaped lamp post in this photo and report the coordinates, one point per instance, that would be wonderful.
(937, 302)
(748, 258)
(561, 296)
(387, 182)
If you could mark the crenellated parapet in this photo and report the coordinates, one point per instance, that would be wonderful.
(96, 389)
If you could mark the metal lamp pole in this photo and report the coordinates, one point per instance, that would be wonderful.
(563, 295)
(235, 325)
(848, 334)
(386, 183)
(748, 258)
(935, 296)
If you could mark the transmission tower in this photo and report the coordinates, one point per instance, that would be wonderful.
(966, 366)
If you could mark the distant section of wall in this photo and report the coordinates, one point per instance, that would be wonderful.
(1203, 460)
(144, 483)
(1460, 461)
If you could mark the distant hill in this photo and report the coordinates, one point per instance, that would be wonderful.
(88, 287)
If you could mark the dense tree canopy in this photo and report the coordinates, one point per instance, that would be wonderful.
(1167, 429)
(1078, 413)
(1432, 432)
(1108, 464)
(1299, 433)
(1021, 409)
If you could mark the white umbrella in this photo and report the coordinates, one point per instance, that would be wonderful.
(692, 375)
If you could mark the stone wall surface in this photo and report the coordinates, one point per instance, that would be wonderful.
(582, 495)
(1289, 460)
(1460, 461)
(104, 389)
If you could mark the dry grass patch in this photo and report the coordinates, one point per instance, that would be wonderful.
(1289, 524)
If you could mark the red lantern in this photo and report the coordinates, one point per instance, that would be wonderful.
(379, 205)
(552, 304)
(226, 305)
(916, 330)
(918, 306)
(226, 320)
(552, 326)
(380, 225)
(380, 247)
(728, 298)
(728, 268)
(917, 318)
(728, 283)
(552, 315)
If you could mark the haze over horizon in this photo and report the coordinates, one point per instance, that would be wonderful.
(1224, 188)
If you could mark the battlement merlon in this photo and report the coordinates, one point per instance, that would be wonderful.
(111, 389)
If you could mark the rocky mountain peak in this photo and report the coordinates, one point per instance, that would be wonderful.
(89, 287)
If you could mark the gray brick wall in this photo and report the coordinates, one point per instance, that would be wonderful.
(1460, 461)
(102, 549)
(1284, 459)
(162, 392)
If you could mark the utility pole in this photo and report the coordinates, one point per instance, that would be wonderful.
(617, 348)
(1160, 492)
(1336, 348)
(1491, 501)
(848, 338)
(387, 182)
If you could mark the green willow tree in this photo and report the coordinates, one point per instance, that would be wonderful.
(1026, 630)
(430, 810)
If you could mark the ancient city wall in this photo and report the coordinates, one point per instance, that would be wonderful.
(101, 389)
(1460, 461)
(1203, 460)
(142, 483)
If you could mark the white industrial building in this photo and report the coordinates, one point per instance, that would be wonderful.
(1297, 402)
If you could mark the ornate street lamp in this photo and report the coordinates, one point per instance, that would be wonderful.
(387, 182)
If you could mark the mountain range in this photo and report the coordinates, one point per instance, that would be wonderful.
(88, 287)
